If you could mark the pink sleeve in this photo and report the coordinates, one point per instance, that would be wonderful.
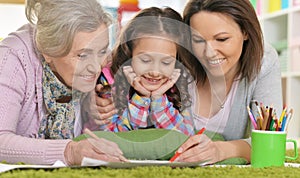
(18, 123)
(107, 74)
(15, 148)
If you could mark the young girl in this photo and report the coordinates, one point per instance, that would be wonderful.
(145, 70)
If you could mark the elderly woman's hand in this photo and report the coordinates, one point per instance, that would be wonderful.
(104, 107)
(100, 149)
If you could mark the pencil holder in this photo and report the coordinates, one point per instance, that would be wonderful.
(269, 148)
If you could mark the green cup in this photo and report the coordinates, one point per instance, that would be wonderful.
(269, 148)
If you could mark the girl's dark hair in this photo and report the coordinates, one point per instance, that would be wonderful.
(242, 12)
(150, 22)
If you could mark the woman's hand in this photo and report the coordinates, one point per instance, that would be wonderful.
(199, 148)
(167, 85)
(100, 110)
(105, 107)
(100, 149)
(135, 81)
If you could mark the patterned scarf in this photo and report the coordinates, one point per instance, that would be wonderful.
(59, 119)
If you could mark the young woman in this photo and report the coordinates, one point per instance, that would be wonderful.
(232, 67)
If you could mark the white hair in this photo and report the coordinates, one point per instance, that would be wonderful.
(57, 22)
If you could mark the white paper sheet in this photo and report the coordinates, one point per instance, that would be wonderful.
(296, 165)
(7, 167)
(135, 163)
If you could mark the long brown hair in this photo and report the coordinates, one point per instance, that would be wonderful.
(159, 22)
(242, 12)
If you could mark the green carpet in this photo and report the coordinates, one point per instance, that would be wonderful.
(229, 171)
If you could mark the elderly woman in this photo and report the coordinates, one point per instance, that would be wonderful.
(45, 68)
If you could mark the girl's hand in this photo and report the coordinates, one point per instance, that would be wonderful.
(199, 148)
(167, 85)
(100, 149)
(135, 81)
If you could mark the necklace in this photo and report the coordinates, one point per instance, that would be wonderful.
(220, 102)
(215, 121)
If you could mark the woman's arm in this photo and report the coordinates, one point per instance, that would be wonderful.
(268, 88)
(19, 118)
(18, 112)
(201, 148)
(233, 149)
(15, 148)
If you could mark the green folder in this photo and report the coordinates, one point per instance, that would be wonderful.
(153, 144)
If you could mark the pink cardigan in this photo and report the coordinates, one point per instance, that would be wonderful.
(21, 103)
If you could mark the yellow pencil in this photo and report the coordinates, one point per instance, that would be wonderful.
(282, 115)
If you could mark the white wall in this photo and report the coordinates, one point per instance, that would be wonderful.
(12, 16)
(178, 5)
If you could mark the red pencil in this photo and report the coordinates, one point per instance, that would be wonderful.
(178, 154)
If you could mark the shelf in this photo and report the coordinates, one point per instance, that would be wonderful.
(13, 1)
(267, 16)
(284, 75)
(295, 9)
(275, 29)
(290, 75)
(276, 14)
(295, 74)
(281, 29)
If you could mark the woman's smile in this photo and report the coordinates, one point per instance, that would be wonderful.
(88, 78)
(218, 61)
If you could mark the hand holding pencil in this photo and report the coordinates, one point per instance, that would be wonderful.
(106, 147)
(177, 153)
(94, 147)
(198, 148)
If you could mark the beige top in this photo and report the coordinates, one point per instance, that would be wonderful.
(218, 121)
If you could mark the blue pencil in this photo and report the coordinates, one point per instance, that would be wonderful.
(283, 123)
